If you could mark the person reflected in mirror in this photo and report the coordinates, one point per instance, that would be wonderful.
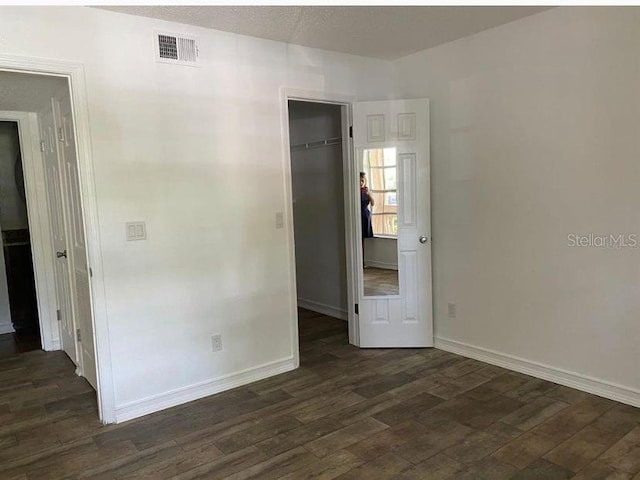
(366, 205)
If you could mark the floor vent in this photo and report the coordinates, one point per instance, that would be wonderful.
(177, 49)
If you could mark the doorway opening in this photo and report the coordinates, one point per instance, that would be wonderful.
(319, 155)
(19, 325)
(39, 110)
(388, 142)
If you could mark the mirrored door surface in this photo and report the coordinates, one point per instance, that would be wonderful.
(379, 216)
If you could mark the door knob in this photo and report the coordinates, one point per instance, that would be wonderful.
(423, 239)
(61, 254)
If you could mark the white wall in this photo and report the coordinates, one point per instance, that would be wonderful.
(534, 137)
(381, 252)
(197, 154)
(318, 209)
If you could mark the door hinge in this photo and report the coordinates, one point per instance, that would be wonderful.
(90, 272)
(78, 335)
(356, 309)
(42, 146)
(59, 315)
(60, 134)
(351, 131)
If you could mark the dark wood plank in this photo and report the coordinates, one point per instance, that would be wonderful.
(385, 467)
(543, 470)
(346, 413)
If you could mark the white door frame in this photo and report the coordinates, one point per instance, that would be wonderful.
(350, 179)
(74, 73)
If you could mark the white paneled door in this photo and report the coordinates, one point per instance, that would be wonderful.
(75, 238)
(399, 130)
(71, 272)
(49, 138)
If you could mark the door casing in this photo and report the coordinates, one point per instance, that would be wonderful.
(74, 73)
(350, 175)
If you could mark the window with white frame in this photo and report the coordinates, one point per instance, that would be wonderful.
(380, 166)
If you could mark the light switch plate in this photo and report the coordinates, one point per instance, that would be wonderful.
(136, 231)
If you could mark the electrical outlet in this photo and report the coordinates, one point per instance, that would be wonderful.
(279, 220)
(452, 310)
(216, 342)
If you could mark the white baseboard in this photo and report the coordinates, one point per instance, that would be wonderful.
(6, 328)
(189, 393)
(323, 308)
(384, 266)
(587, 384)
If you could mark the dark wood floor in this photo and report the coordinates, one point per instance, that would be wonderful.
(20, 341)
(346, 414)
(380, 281)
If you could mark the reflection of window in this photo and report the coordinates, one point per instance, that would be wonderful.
(380, 166)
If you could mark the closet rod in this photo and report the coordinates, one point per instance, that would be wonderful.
(321, 143)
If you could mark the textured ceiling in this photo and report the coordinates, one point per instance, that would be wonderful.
(23, 92)
(382, 32)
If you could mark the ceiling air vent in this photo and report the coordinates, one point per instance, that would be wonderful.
(178, 49)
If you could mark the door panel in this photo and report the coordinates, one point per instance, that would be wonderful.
(78, 258)
(85, 326)
(56, 216)
(403, 318)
